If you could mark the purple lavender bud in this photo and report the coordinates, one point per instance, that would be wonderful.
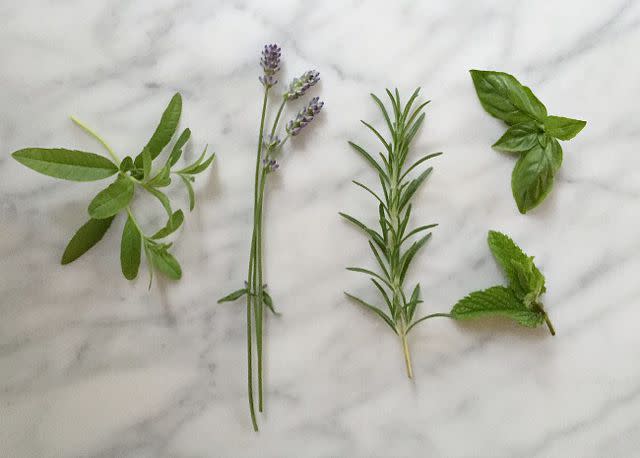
(270, 164)
(301, 84)
(270, 62)
(304, 117)
(271, 142)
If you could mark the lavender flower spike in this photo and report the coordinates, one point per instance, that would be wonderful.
(304, 117)
(270, 63)
(301, 84)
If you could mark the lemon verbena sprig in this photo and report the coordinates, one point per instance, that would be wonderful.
(269, 146)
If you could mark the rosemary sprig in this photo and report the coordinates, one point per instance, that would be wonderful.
(269, 145)
(390, 244)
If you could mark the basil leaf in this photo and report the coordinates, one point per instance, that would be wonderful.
(532, 177)
(86, 237)
(111, 200)
(176, 152)
(164, 261)
(130, 249)
(518, 138)
(499, 301)
(66, 164)
(503, 97)
(173, 223)
(563, 128)
(167, 126)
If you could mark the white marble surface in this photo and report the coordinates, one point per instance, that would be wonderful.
(95, 366)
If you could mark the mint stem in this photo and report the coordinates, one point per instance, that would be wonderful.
(549, 325)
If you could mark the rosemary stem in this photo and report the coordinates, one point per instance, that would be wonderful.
(407, 355)
(91, 132)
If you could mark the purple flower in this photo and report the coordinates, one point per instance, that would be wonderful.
(270, 63)
(270, 165)
(301, 84)
(304, 117)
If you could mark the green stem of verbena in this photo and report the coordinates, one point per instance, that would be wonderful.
(255, 306)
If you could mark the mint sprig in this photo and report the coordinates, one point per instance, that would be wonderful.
(131, 174)
(520, 300)
(532, 134)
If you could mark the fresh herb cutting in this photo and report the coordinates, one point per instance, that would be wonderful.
(131, 174)
(269, 146)
(532, 134)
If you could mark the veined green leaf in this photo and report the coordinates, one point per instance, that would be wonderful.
(176, 152)
(506, 252)
(374, 309)
(127, 164)
(173, 223)
(532, 177)
(497, 300)
(146, 163)
(130, 249)
(518, 138)
(161, 179)
(86, 237)
(563, 128)
(503, 97)
(66, 164)
(167, 126)
(233, 296)
(164, 261)
(111, 200)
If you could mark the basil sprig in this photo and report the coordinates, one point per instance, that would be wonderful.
(532, 134)
(116, 198)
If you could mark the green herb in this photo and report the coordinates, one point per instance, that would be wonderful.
(394, 245)
(520, 300)
(131, 174)
(269, 147)
(532, 134)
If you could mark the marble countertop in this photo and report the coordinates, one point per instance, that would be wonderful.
(95, 366)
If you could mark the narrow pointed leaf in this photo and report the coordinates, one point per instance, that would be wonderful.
(374, 309)
(66, 164)
(85, 238)
(111, 200)
(167, 126)
(130, 250)
(176, 152)
(173, 224)
(237, 294)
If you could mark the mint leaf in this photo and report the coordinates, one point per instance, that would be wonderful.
(503, 97)
(563, 128)
(66, 164)
(496, 301)
(86, 237)
(514, 262)
(111, 200)
(173, 223)
(130, 249)
(518, 138)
